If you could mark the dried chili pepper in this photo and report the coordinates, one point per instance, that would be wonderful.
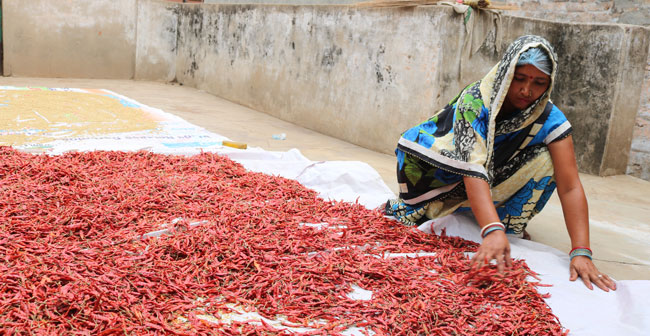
(75, 257)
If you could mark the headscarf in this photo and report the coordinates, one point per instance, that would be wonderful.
(537, 58)
(459, 139)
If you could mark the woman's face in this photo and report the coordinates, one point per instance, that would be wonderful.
(528, 84)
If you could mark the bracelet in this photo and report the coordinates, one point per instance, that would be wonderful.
(492, 227)
(581, 247)
(580, 251)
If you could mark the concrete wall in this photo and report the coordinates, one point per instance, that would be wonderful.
(639, 164)
(616, 11)
(69, 38)
(635, 12)
(283, 2)
(155, 57)
(366, 75)
(341, 72)
(360, 75)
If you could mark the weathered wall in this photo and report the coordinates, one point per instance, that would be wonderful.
(69, 38)
(616, 11)
(366, 75)
(155, 57)
(283, 2)
(639, 164)
(349, 74)
(635, 12)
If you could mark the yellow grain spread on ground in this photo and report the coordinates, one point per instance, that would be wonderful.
(40, 116)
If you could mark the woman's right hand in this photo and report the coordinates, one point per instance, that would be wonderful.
(495, 246)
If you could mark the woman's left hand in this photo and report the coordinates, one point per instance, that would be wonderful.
(584, 268)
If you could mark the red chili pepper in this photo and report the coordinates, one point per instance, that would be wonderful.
(71, 262)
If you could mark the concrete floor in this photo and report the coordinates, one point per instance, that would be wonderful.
(619, 205)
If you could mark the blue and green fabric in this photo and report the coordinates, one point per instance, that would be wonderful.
(465, 139)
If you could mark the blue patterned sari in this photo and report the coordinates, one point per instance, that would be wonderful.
(464, 139)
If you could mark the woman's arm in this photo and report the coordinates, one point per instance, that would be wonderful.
(576, 214)
(495, 245)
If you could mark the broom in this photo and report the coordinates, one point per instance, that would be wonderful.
(476, 4)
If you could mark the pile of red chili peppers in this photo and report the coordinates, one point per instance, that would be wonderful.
(71, 262)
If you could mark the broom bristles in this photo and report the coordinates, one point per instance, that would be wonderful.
(413, 3)
(396, 3)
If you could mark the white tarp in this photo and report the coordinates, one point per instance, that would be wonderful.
(625, 311)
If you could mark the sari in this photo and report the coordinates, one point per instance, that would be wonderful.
(465, 139)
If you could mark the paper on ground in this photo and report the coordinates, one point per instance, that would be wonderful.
(57, 120)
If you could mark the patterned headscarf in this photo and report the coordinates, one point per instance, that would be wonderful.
(460, 137)
(494, 88)
(537, 58)
(496, 83)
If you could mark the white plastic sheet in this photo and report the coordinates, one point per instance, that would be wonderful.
(350, 181)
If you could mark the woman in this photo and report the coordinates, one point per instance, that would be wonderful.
(499, 148)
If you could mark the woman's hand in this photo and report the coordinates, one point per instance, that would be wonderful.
(495, 246)
(584, 268)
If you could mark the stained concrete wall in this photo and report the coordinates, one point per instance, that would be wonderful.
(616, 11)
(344, 73)
(635, 12)
(157, 32)
(639, 164)
(69, 38)
(366, 75)
(283, 2)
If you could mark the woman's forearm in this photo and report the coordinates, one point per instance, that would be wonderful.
(576, 215)
(569, 188)
(480, 200)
